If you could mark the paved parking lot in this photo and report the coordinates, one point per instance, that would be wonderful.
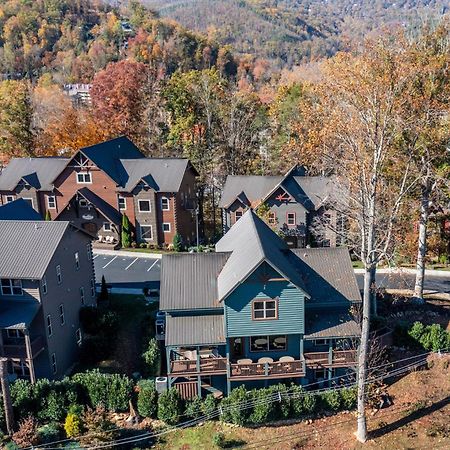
(127, 271)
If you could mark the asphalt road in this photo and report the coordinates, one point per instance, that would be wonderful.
(139, 272)
(127, 272)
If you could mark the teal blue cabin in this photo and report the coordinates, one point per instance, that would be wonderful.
(257, 313)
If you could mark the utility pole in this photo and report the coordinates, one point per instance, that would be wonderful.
(6, 393)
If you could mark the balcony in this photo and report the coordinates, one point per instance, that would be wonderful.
(18, 350)
(206, 366)
(277, 369)
(338, 358)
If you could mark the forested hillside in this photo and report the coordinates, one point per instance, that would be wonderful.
(293, 31)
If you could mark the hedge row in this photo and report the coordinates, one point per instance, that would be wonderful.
(290, 402)
(50, 400)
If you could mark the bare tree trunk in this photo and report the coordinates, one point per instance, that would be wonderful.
(373, 291)
(422, 248)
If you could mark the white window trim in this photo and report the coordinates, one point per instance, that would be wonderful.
(54, 363)
(84, 172)
(139, 206)
(48, 201)
(83, 203)
(166, 231)
(124, 201)
(77, 260)
(141, 233)
(295, 219)
(11, 286)
(62, 318)
(82, 295)
(168, 204)
(109, 225)
(9, 198)
(58, 274)
(49, 326)
(317, 342)
(236, 218)
(29, 198)
(44, 285)
(13, 334)
(78, 336)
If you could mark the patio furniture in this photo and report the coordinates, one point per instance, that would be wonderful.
(244, 361)
(264, 360)
(286, 359)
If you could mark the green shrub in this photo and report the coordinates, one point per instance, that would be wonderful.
(233, 411)
(112, 391)
(147, 401)
(194, 408)
(49, 433)
(284, 406)
(309, 403)
(22, 399)
(152, 358)
(219, 440)
(331, 400)
(209, 406)
(263, 407)
(417, 331)
(177, 243)
(349, 397)
(430, 337)
(170, 406)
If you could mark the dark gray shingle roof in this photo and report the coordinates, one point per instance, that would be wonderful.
(26, 247)
(195, 330)
(189, 281)
(18, 210)
(327, 274)
(330, 324)
(104, 207)
(162, 174)
(39, 172)
(252, 242)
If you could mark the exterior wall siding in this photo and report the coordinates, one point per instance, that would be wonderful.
(238, 309)
(146, 218)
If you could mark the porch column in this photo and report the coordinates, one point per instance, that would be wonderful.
(6, 393)
(29, 355)
(330, 359)
(228, 367)
(169, 368)
(199, 378)
(302, 356)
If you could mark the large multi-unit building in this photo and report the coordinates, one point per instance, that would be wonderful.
(46, 276)
(290, 203)
(98, 184)
(257, 312)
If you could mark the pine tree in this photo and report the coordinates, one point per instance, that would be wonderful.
(177, 243)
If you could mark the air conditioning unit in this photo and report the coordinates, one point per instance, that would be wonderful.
(161, 384)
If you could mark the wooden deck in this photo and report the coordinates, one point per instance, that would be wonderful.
(18, 351)
(340, 358)
(275, 369)
(207, 366)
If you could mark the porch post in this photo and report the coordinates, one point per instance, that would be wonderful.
(199, 378)
(330, 359)
(6, 393)
(302, 356)
(228, 367)
(29, 355)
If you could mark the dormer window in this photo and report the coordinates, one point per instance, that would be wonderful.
(265, 309)
(84, 178)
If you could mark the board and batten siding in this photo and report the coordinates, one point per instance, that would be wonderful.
(238, 308)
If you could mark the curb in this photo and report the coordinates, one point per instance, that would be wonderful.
(404, 270)
(101, 251)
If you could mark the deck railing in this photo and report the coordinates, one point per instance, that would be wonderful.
(275, 369)
(205, 365)
(338, 358)
(19, 351)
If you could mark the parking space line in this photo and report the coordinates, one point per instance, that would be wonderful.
(132, 262)
(108, 263)
(151, 267)
(95, 257)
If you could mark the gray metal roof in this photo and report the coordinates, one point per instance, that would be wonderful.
(161, 174)
(39, 172)
(17, 315)
(315, 188)
(252, 242)
(330, 324)
(18, 210)
(195, 330)
(327, 274)
(189, 281)
(26, 247)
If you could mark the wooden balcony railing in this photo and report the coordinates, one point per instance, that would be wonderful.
(206, 366)
(275, 369)
(338, 358)
(19, 351)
